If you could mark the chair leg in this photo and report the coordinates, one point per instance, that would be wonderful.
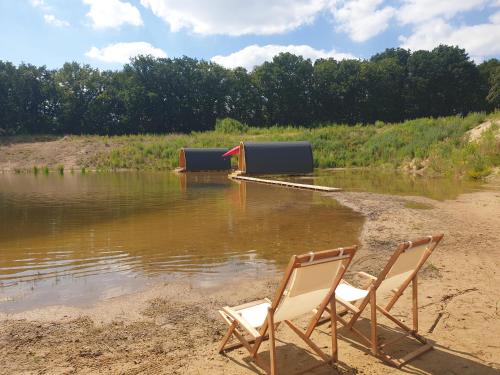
(373, 311)
(233, 330)
(227, 336)
(414, 285)
(333, 322)
(272, 342)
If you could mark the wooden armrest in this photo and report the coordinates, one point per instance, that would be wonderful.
(235, 316)
(366, 275)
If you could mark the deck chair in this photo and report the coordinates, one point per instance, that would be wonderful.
(400, 271)
(308, 284)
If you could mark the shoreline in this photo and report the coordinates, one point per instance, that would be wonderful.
(174, 327)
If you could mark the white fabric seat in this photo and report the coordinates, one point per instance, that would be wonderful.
(350, 293)
(255, 315)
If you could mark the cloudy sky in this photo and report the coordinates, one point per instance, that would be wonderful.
(106, 33)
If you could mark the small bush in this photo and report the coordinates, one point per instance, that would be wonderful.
(230, 126)
(60, 169)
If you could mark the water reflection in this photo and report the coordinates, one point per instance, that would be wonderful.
(388, 182)
(76, 238)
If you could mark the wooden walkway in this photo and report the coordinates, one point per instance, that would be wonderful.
(284, 183)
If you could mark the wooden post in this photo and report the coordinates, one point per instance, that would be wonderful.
(272, 341)
(373, 308)
(414, 284)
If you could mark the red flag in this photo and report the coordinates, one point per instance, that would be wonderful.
(231, 152)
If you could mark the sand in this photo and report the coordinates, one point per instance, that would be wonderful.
(173, 328)
(26, 152)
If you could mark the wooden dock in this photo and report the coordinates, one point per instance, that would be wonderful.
(294, 185)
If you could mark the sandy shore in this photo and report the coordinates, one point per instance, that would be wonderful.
(174, 328)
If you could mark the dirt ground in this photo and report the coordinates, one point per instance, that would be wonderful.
(26, 152)
(174, 328)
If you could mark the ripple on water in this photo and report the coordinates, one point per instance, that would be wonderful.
(73, 239)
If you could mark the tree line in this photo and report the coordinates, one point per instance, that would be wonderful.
(160, 95)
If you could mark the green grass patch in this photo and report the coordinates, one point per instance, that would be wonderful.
(440, 142)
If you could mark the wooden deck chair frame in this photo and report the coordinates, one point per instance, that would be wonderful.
(357, 307)
(238, 326)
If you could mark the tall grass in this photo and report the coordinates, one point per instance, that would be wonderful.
(439, 144)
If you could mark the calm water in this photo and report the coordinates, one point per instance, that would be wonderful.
(76, 238)
(386, 182)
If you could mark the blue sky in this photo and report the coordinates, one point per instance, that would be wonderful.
(106, 33)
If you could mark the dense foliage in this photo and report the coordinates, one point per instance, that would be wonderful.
(151, 95)
(428, 145)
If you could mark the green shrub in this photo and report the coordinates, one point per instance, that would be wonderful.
(230, 126)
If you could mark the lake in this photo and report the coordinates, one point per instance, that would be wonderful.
(74, 239)
(78, 238)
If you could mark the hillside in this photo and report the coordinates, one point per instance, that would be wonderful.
(464, 146)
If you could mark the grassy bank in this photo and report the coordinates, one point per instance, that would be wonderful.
(426, 145)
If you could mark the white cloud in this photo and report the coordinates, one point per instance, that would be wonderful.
(37, 3)
(53, 20)
(495, 18)
(112, 13)
(254, 55)
(230, 17)
(41, 4)
(122, 52)
(418, 11)
(479, 41)
(362, 19)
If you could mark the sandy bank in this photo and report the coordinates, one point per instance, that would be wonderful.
(174, 328)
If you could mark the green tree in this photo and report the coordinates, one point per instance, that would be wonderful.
(244, 101)
(385, 82)
(493, 97)
(348, 84)
(487, 71)
(8, 102)
(78, 87)
(159, 95)
(442, 82)
(326, 96)
(286, 87)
